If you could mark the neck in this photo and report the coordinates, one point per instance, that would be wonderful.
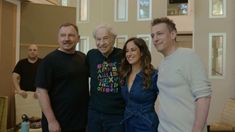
(108, 53)
(171, 50)
(67, 51)
(135, 68)
(32, 60)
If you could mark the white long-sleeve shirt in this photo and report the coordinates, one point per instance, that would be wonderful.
(182, 79)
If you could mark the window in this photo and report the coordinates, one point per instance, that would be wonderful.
(82, 10)
(217, 8)
(217, 55)
(144, 10)
(69, 3)
(83, 45)
(176, 9)
(64, 2)
(121, 10)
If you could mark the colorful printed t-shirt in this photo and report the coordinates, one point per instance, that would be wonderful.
(105, 95)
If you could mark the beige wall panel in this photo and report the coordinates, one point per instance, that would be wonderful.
(43, 49)
(7, 44)
(39, 23)
(222, 88)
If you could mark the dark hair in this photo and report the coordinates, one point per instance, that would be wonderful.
(69, 24)
(170, 24)
(146, 65)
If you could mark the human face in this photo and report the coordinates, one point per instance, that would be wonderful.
(163, 39)
(33, 51)
(68, 39)
(133, 54)
(104, 41)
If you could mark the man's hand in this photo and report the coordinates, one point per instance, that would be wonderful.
(54, 126)
(22, 93)
(35, 95)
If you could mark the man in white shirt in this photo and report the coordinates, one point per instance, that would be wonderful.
(184, 89)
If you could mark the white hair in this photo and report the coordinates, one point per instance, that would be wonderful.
(107, 27)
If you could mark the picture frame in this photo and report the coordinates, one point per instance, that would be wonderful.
(82, 11)
(217, 55)
(121, 11)
(144, 10)
(217, 8)
(120, 41)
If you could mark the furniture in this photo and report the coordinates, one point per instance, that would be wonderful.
(227, 120)
(29, 106)
(3, 113)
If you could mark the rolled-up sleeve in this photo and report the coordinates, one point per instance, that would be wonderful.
(198, 79)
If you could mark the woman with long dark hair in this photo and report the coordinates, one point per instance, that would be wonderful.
(139, 87)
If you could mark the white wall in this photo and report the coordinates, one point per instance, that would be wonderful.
(222, 89)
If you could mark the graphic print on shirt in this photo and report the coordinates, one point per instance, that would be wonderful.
(107, 76)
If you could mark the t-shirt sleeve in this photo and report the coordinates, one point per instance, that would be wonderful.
(17, 68)
(44, 75)
(198, 80)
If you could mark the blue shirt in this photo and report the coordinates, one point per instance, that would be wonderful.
(140, 115)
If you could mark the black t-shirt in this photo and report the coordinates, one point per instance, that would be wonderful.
(65, 77)
(105, 95)
(27, 72)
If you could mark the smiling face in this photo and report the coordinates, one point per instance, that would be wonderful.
(68, 38)
(104, 41)
(133, 53)
(163, 39)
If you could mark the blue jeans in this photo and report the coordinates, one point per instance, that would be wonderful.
(100, 122)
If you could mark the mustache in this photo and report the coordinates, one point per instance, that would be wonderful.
(67, 41)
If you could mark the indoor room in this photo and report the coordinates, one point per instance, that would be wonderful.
(205, 26)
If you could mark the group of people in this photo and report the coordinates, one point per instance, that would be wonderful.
(124, 85)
